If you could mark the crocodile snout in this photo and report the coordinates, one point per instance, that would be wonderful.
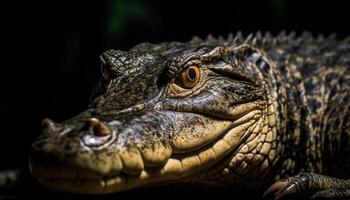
(127, 145)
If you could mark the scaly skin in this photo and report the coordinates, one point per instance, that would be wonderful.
(243, 112)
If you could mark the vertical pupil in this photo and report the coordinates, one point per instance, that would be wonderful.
(191, 73)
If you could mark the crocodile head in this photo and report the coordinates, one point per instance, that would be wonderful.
(161, 114)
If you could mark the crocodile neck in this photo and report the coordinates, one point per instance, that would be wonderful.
(313, 101)
(300, 143)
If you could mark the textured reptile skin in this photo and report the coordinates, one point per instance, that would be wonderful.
(242, 111)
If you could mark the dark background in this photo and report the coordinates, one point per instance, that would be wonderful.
(49, 58)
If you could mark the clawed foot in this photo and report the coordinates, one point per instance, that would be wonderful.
(310, 186)
(292, 186)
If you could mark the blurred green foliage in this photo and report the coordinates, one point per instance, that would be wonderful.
(128, 18)
(120, 13)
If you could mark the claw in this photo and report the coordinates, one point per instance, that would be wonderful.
(287, 191)
(276, 188)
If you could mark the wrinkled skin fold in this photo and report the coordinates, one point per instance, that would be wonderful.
(207, 110)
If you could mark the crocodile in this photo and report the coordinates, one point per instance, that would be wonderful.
(263, 112)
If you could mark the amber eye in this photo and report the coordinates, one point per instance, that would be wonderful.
(189, 77)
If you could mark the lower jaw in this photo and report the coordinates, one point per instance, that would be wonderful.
(70, 185)
(87, 186)
(107, 185)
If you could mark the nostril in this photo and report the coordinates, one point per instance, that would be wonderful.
(47, 124)
(97, 127)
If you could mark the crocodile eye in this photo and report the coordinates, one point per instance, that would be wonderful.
(188, 77)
